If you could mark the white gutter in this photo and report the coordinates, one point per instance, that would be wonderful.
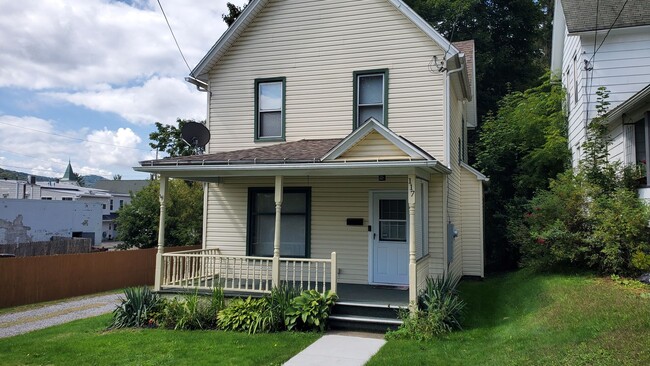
(201, 167)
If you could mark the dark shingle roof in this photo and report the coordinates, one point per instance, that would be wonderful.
(289, 152)
(581, 14)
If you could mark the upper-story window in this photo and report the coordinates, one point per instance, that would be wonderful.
(269, 109)
(370, 96)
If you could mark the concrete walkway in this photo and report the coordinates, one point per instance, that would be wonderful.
(12, 324)
(339, 349)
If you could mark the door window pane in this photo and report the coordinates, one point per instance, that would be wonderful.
(392, 220)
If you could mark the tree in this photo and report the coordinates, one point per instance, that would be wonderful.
(512, 41)
(234, 12)
(167, 138)
(520, 148)
(137, 222)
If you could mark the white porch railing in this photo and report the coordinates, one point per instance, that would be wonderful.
(207, 268)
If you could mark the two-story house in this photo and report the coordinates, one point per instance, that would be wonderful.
(605, 43)
(337, 155)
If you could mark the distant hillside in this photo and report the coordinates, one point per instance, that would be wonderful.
(89, 180)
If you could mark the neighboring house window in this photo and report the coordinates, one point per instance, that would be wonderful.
(270, 109)
(568, 91)
(111, 207)
(370, 96)
(66, 198)
(103, 206)
(295, 220)
(46, 198)
(121, 203)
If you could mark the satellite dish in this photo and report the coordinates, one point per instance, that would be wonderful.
(196, 135)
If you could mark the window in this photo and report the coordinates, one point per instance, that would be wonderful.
(392, 220)
(295, 218)
(46, 198)
(568, 91)
(111, 207)
(575, 78)
(103, 206)
(121, 203)
(66, 198)
(269, 109)
(636, 145)
(370, 97)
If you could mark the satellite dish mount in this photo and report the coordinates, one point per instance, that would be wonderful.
(195, 135)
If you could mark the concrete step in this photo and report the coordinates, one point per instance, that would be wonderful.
(366, 309)
(363, 323)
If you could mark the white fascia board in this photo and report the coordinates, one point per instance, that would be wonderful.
(628, 105)
(424, 27)
(361, 132)
(227, 39)
(559, 35)
(479, 176)
(302, 169)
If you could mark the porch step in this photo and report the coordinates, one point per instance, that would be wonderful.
(364, 316)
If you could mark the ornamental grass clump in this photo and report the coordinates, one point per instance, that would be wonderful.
(136, 308)
(439, 311)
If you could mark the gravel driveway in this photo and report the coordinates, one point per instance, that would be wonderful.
(12, 324)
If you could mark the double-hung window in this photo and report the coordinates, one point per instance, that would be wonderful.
(269, 109)
(294, 228)
(370, 96)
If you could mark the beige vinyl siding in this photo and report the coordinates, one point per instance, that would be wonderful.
(454, 191)
(422, 273)
(437, 222)
(472, 224)
(375, 147)
(317, 45)
(333, 200)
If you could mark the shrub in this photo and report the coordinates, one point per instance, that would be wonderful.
(310, 310)
(441, 297)
(192, 312)
(245, 315)
(421, 326)
(136, 308)
(279, 304)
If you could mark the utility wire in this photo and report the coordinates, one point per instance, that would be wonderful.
(33, 157)
(173, 36)
(28, 168)
(74, 138)
(608, 30)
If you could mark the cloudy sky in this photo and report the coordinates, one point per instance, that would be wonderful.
(85, 80)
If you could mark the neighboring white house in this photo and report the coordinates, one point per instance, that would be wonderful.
(605, 43)
(336, 126)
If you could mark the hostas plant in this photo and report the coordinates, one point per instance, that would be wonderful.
(310, 310)
(136, 308)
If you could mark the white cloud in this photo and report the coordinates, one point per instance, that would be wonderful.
(58, 44)
(157, 100)
(36, 146)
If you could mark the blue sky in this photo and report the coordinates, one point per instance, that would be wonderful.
(85, 80)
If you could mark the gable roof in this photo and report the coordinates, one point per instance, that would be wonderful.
(230, 36)
(409, 149)
(468, 48)
(584, 16)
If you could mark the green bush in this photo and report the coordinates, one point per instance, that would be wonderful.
(245, 315)
(192, 312)
(279, 304)
(136, 308)
(310, 310)
(421, 326)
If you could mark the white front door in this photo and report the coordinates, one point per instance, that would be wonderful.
(388, 236)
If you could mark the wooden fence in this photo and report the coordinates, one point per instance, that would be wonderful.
(57, 245)
(31, 280)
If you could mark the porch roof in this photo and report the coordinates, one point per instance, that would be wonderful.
(304, 157)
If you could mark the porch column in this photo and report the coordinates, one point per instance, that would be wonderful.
(161, 232)
(278, 223)
(413, 289)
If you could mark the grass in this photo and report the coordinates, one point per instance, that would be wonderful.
(85, 342)
(526, 318)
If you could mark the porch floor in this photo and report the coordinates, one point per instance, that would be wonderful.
(371, 294)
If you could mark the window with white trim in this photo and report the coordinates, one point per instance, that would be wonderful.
(269, 109)
(370, 99)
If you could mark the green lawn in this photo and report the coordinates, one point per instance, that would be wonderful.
(84, 342)
(524, 318)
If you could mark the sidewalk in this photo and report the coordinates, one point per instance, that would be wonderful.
(12, 324)
(339, 349)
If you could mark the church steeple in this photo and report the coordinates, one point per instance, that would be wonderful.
(69, 175)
